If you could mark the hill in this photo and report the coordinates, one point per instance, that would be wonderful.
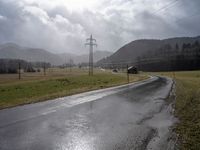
(137, 48)
(14, 51)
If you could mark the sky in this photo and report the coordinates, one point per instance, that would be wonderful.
(62, 26)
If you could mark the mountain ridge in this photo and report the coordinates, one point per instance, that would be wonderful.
(132, 50)
(15, 51)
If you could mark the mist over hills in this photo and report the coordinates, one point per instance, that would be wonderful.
(128, 53)
(137, 48)
(14, 51)
(97, 55)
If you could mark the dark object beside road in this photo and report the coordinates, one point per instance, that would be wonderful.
(114, 70)
(132, 70)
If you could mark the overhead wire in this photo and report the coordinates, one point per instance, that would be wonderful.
(167, 6)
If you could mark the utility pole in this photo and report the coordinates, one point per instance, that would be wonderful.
(44, 69)
(65, 63)
(44, 65)
(91, 42)
(19, 69)
(127, 73)
(70, 64)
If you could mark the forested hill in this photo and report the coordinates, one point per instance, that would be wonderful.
(131, 51)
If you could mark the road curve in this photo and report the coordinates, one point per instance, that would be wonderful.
(134, 116)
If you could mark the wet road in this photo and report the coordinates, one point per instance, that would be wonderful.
(134, 116)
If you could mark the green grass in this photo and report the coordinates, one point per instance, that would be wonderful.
(187, 108)
(36, 89)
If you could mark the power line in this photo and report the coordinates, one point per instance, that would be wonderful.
(171, 4)
(91, 42)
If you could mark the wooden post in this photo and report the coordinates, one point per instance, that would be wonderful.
(19, 70)
(44, 69)
(70, 67)
(174, 75)
(127, 75)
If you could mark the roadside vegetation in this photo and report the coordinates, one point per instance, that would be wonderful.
(187, 108)
(37, 87)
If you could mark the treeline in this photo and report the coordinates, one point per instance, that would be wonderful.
(13, 65)
(40, 64)
(171, 58)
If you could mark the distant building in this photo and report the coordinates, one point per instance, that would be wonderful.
(132, 70)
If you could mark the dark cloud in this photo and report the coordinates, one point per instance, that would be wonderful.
(113, 23)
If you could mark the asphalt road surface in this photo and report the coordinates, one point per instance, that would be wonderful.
(135, 116)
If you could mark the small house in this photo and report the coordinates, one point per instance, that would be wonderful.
(132, 70)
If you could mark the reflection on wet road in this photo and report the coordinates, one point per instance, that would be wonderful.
(134, 116)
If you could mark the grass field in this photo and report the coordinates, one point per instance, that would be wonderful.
(34, 87)
(187, 108)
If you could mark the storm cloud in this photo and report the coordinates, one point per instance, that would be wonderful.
(63, 25)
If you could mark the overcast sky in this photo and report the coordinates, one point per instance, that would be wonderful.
(63, 25)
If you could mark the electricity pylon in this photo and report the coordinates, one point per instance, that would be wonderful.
(91, 42)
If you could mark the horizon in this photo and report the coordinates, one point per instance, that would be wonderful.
(97, 50)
